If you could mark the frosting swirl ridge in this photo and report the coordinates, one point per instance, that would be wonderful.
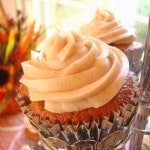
(107, 28)
(74, 72)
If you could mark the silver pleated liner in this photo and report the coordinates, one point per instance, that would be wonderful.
(108, 134)
(134, 54)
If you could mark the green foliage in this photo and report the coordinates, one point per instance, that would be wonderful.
(141, 29)
(144, 7)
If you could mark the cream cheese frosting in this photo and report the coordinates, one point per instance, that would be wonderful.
(74, 72)
(106, 27)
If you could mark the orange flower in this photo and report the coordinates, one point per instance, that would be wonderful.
(6, 78)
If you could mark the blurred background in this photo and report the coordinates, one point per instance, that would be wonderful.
(67, 14)
(73, 13)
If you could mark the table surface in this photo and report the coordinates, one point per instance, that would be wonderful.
(12, 133)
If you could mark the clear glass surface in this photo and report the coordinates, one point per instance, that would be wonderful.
(141, 124)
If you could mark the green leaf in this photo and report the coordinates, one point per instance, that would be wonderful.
(10, 45)
(5, 101)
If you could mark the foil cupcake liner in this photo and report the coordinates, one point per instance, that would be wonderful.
(134, 51)
(134, 54)
(107, 134)
(94, 138)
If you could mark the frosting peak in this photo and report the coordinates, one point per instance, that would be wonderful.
(74, 72)
(107, 28)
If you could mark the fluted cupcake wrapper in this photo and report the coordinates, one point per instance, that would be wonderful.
(108, 136)
(105, 134)
(134, 54)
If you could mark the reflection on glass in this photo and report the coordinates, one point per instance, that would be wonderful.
(141, 125)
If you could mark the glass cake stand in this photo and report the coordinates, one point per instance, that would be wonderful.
(133, 132)
(132, 135)
(141, 124)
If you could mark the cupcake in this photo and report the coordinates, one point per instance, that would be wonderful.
(78, 92)
(106, 27)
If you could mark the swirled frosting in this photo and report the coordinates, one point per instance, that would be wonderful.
(107, 28)
(74, 72)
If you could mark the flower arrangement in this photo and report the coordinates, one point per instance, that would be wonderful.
(16, 41)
